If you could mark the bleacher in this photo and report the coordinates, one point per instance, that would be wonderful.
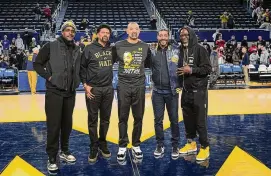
(18, 15)
(116, 13)
(262, 73)
(206, 13)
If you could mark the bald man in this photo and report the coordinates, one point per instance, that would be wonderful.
(133, 56)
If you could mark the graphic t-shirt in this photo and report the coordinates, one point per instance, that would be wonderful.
(132, 60)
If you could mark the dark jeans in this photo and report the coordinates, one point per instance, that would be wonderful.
(130, 96)
(59, 112)
(195, 108)
(101, 104)
(159, 101)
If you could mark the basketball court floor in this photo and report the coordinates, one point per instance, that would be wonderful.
(239, 126)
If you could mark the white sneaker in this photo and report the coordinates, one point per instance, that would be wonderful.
(68, 157)
(52, 167)
(121, 156)
(137, 153)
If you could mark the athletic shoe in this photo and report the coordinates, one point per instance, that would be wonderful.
(52, 166)
(203, 154)
(93, 156)
(121, 156)
(159, 151)
(104, 151)
(137, 153)
(67, 156)
(175, 153)
(189, 148)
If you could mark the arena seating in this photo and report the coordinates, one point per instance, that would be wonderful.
(16, 15)
(116, 13)
(207, 13)
(230, 75)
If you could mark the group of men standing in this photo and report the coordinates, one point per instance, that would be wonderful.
(173, 67)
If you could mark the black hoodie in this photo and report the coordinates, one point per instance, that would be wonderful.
(96, 65)
(196, 56)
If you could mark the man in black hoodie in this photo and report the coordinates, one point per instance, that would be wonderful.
(194, 67)
(59, 63)
(96, 74)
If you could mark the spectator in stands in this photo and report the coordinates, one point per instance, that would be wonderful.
(253, 48)
(31, 73)
(21, 57)
(264, 57)
(27, 38)
(190, 20)
(221, 56)
(19, 42)
(37, 12)
(244, 42)
(229, 52)
(216, 35)
(47, 13)
(233, 41)
(215, 67)
(153, 23)
(224, 20)
(220, 42)
(236, 57)
(266, 20)
(260, 16)
(47, 28)
(6, 45)
(84, 24)
(245, 64)
(33, 44)
(231, 21)
(13, 47)
(207, 46)
(13, 62)
(261, 41)
(53, 28)
(254, 58)
(4, 62)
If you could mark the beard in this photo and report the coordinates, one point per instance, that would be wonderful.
(163, 42)
(133, 36)
(104, 39)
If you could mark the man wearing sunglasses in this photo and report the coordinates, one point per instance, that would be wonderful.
(59, 63)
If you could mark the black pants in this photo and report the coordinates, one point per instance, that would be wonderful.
(171, 101)
(130, 96)
(101, 104)
(195, 108)
(59, 112)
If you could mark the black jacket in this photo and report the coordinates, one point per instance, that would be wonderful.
(196, 56)
(160, 76)
(96, 65)
(61, 62)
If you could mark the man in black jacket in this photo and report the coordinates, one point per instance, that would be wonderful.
(194, 67)
(96, 74)
(59, 63)
(165, 92)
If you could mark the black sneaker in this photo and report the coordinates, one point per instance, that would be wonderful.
(52, 166)
(67, 156)
(159, 151)
(92, 158)
(104, 151)
(175, 153)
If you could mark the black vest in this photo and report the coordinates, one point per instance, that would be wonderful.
(61, 69)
